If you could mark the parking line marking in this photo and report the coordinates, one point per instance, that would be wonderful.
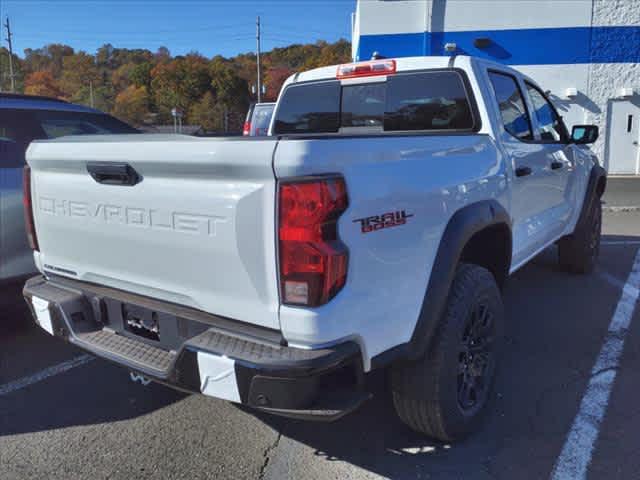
(616, 282)
(577, 451)
(44, 374)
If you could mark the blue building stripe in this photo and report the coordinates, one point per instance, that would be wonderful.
(536, 46)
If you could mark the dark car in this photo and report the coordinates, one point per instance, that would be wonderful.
(25, 118)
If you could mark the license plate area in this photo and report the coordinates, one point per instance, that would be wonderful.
(154, 327)
(141, 321)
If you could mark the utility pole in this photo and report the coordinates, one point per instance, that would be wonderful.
(259, 86)
(91, 99)
(11, 74)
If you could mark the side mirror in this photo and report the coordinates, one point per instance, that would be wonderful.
(584, 134)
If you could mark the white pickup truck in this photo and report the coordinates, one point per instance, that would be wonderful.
(374, 228)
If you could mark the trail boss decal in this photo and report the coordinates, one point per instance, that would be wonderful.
(386, 220)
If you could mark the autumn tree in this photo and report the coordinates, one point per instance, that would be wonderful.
(132, 105)
(179, 83)
(274, 79)
(42, 83)
(79, 70)
(50, 57)
(137, 84)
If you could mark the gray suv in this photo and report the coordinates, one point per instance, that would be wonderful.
(24, 118)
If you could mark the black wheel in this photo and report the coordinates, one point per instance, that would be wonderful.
(578, 253)
(444, 394)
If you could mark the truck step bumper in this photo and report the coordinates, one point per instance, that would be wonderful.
(320, 384)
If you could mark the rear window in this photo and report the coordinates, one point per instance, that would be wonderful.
(309, 108)
(59, 124)
(261, 119)
(432, 101)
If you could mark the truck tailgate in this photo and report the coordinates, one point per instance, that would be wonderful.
(197, 230)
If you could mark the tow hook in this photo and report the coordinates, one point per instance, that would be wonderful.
(138, 378)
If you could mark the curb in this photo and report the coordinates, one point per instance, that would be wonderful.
(617, 209)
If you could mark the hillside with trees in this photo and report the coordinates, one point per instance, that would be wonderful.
(141, 87)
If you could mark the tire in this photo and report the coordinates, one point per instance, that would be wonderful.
(578, 253)
(429, 394)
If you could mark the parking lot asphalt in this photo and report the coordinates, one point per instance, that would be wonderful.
(61, 417)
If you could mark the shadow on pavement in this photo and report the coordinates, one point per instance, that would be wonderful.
(93, 393)
(14, 314)
(97, 392)
(556, 323)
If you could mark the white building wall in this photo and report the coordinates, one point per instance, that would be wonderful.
(597, 83)
(605, 79)
(461, 15)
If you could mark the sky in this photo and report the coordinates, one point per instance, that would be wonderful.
(210, 27)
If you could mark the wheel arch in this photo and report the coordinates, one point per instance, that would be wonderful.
(469, 232)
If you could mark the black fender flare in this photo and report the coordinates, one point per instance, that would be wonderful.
(592, 194)
(462, 226)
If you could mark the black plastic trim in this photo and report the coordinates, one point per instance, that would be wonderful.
(285, 380)
(234, 327)
(108, 173)
(591, 195)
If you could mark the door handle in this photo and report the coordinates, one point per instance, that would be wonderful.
(556, 165)
(523, 171)
(113, 173)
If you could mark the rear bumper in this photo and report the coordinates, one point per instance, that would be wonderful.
(242, 366)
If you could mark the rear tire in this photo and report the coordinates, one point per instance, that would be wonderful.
(578, 253)
(445, 393)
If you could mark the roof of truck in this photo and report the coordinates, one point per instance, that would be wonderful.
(36, 102)
(403, 64)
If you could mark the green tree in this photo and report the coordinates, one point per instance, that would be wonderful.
(18, 71)
(141, 74)
(179, 83)
(208, 113)
(229, 88)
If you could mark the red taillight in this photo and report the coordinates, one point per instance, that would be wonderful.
(313, 260)
(28, 208)
(246, 129)
(366, 69)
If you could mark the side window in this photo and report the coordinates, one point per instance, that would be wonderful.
(513, 111)
(11, 153)
(17, 130)
(552, 128)
(428, 101)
